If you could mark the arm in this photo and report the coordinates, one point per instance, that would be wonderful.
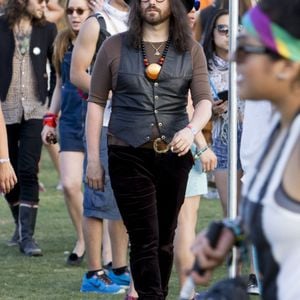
(208, 257)
(54, 12)
(53, 34)
(100, 86)
(202, 102)
(83, 53)
(54, 109)
(7, 175)
(94, 172)
(208, 158)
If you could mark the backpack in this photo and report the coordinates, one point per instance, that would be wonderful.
(103, 33)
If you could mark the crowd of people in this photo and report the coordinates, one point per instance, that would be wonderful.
(127, 88)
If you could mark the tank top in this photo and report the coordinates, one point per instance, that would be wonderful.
(271, 218)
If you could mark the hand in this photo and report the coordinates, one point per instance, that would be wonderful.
(95, 5)
(7, 177)
(48, 132)
(208, 160)
(209, 257)
(220, 107)
(95, 175)
(182, 141)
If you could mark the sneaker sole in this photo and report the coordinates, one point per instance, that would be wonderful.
(121, 291)
(253, 291)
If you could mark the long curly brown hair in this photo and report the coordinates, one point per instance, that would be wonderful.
(179, 32)
(15, 10)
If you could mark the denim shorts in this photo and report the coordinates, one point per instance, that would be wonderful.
(98, 204)
(221, 151)
(197, 182)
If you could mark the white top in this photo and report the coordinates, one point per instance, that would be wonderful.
(116, 22)
(257, 117)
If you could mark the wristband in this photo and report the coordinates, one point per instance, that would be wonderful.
(193, 130)
(49, 119)
(4, 160)
(235, 227)
(200, 152)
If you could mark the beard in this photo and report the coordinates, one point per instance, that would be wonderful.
(156, 17)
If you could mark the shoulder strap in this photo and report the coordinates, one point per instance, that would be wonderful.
(103, 34)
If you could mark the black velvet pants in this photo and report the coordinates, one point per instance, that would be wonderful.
(149, 189)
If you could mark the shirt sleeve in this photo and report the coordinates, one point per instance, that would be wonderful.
(200, 88)
(105, 70)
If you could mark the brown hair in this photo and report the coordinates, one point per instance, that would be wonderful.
(179, 33)
(62, 42)
(15, 10)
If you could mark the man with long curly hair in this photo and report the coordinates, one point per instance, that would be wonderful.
(23, 91)
(150, 69)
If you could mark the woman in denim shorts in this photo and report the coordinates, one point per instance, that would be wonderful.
(216, 48)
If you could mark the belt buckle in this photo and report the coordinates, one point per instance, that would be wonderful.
(160, 146)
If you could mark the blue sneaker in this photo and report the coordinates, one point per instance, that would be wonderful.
(100, 283)
(123, 280)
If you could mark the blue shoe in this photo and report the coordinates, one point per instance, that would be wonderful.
(122, 280)
(100, 283)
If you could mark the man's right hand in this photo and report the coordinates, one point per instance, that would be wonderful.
(95, 175)
(7, 177)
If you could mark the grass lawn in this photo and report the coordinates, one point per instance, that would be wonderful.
(47, 277)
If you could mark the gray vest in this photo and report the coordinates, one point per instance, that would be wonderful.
(138, 104)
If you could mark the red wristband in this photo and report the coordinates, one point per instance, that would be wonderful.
(50, 120)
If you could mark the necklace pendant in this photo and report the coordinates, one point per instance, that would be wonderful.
(152, 71)
(157, 53)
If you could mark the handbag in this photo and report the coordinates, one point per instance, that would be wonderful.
(226, 289)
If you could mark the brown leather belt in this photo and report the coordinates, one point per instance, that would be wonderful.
(158, 145)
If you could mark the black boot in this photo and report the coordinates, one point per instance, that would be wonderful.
(27, 219)
(15, 213)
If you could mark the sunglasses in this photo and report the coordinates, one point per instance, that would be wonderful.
(41, 1)
(222, 29)
(79, 11)
(197, 4)
(243, 51)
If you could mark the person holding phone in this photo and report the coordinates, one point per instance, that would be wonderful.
(216, 48)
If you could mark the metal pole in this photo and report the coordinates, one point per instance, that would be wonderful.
(232, 170)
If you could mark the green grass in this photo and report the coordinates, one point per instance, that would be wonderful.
(47, 277)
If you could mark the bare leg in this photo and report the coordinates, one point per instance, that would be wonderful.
(221, 183)
(93, 236)
(71, 165)
(184, 237)
(119, 243)
(106, 245)
(53, 150)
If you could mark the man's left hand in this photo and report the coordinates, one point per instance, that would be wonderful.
(182, 141)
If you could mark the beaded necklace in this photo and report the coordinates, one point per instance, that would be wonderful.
(152, 70)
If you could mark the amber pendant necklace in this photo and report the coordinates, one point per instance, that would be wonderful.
(152, 70)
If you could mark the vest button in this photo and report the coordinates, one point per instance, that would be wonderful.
(163, 137)
(159, 124)
(155, 111)
(152, 124)
(147, 138)
(156, 84)
(156, 97)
